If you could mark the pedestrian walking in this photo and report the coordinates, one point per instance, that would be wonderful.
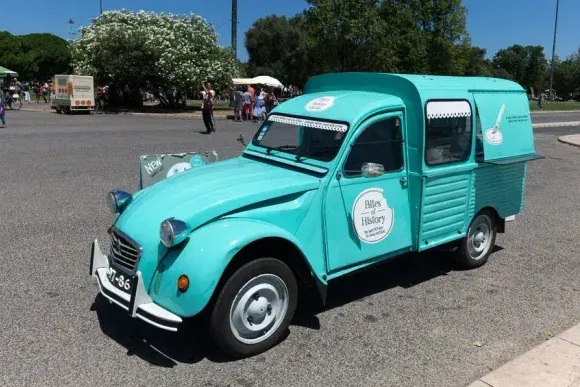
(541, 101)
(260, 107)
(238, 104)
(26, 89)
(207, 107)
(248, 99)
(45, 91)
(37, 92)
(271, 101)
(2, 112)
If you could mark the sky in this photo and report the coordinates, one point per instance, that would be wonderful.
(492, 24)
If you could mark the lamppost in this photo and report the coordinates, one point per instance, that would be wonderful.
(101, 3)
(71, 33)
(554, 48)
(234, 28)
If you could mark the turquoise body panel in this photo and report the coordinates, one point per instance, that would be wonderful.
(203, 258)
(339, 223)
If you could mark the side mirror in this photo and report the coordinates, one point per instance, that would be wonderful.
(372, 170)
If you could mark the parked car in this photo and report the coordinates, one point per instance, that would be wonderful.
(360, 168)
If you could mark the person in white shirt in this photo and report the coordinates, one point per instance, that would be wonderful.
(208, 95)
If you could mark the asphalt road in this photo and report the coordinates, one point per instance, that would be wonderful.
(555, 117)
(410, 322)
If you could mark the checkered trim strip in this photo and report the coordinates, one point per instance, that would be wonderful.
(309, 123)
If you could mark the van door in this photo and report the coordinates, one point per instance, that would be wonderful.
(367, 214)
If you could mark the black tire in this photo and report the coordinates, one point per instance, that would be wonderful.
(465, 254)
(221, 332)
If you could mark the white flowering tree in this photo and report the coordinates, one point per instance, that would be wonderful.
(146, 49)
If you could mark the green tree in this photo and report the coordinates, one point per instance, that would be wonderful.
(277, 47)
(525, 65)
(567, 76)
(35, 57)
(475, 63)
(348, 35)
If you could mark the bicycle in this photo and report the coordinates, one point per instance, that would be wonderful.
(13, 101)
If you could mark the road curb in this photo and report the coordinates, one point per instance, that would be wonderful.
(554, 363)
(555, 124)
(554, 111)
(571, 139)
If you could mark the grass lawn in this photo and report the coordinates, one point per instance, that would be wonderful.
(555, 106)
(218, 105)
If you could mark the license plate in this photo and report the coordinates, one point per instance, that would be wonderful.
(120, 280)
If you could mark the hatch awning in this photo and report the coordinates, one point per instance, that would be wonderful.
(506, 127)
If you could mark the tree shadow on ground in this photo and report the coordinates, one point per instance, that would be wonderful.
(191, 343)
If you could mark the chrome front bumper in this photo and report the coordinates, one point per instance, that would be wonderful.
(138, 303)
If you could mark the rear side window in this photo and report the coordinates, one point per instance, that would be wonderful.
(448, 132)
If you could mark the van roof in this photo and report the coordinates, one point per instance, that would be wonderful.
(377, 81)
(340, 105)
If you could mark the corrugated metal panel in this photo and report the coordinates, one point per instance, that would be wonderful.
(444, 206)
(501, 187)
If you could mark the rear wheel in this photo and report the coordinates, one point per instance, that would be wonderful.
(478, 244)
(254, 308)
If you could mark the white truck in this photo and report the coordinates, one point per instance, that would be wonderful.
(72, 93)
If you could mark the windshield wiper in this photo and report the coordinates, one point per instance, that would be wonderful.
(281, 147)
(316, 152)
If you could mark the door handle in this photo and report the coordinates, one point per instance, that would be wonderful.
(403, 182)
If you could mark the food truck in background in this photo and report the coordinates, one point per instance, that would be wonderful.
(72, 93)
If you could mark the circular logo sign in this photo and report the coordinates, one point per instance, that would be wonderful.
(371, 216)
(178, 168)
(196, 161)
(319, 104)
(494, 136)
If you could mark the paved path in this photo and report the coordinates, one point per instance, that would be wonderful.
(410, 322)
(555, 363)
(571, 139)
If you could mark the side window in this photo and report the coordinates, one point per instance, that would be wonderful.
(448, 132)
(380, 143)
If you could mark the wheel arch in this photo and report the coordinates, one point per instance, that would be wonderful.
(498, 220)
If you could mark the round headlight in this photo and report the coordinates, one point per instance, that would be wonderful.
(173, 232)
(167, 233)
(112, 202)
(117, 200)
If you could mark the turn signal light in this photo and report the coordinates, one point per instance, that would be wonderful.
(183, 283)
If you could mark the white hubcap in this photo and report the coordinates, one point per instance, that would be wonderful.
(479, 237)
(259, 308)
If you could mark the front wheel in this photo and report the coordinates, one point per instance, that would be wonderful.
(478, 244)
(15, 104)
(254, 308)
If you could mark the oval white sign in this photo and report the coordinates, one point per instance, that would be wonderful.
(178, 168)
(319, 104)
(371, 216)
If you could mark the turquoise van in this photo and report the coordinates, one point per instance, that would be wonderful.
(361, 168)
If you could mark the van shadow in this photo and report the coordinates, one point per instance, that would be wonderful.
(404, 271)
(191, 343)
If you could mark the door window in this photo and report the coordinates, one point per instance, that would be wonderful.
(448, 133)
(380, 143)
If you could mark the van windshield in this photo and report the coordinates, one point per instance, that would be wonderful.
(303, 137)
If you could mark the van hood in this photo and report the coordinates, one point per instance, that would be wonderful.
(199, 195)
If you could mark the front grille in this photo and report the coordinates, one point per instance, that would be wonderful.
(125, 253)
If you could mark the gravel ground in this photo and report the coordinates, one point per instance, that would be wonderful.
(409, 322)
